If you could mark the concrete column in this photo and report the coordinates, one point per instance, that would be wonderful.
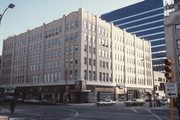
(42, 95)
(53, 98)
(58, 96)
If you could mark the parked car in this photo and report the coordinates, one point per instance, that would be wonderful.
(163, 101)
(146, 99)
(32, 100)
(121, 99)
(46, 101)
(8, 98)
(19, 100)
(135, 102)
(106, 102)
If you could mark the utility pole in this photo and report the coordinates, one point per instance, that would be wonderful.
(170, 86)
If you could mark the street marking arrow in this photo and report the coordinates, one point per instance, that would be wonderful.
(171, 94)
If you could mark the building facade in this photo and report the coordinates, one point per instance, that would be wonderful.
(172, 30)
(159, 80)
(79, 55)
(146, 20)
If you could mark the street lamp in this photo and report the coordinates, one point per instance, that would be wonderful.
(10, 6)
(66, 85)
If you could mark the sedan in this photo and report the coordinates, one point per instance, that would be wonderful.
(135, 102)
(106, 102)
(32, 100)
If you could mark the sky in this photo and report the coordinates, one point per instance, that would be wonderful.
(28, 14)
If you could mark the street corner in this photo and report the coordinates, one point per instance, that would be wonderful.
(3, 117)
(17, 119)
(162, 108)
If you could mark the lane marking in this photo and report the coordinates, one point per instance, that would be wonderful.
(134, 110)
(76, 114)
(156, 116)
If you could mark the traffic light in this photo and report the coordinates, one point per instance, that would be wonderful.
(168, 69)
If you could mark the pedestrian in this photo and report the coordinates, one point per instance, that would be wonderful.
(12, 106)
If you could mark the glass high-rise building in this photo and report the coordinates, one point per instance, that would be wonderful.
(145, 19)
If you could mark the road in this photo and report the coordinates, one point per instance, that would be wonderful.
(87, 112)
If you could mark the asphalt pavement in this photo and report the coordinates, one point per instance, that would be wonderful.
(88, 111)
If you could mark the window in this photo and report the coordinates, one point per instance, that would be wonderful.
(71, 25)
(94, 75)
(85, 48)
(94, 62)
(76, 23)
(100, 41)
(100, 76)
(66, 38)
(85, 36)
(93, 28)
(94, 50)
(89, 26)
(107, 77)
(76, 36)
(94, 39)
(71, 49)
(67, 27)
(99, 52)
(60, 29)
(103, 64)
(76, 48)
(90, 61)
(71, 74)
(177, 29)
(90, 49)
(89, 38)
(107, 65)
(85, 60)
(71, 38)
(161, 87)
(85, 74)
(71, 62)
(76, 61)
(178, 44)
(76, 74)
(104, 76)
(159, 79)
(100, 63)
(85, 24)
(90, 75)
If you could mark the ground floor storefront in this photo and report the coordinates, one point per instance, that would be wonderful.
(74, 94)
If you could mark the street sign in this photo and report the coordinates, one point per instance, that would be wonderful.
(171, 90)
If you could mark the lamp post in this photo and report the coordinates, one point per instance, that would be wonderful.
(9, 6)
(66, 86)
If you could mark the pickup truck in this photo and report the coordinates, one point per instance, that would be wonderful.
(135, 102)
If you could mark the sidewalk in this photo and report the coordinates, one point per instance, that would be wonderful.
(79, 104)
(163, 107)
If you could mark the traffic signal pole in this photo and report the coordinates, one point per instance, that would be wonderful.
(172, 108)
(169, 76)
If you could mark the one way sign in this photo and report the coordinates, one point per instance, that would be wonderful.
(171, 90)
